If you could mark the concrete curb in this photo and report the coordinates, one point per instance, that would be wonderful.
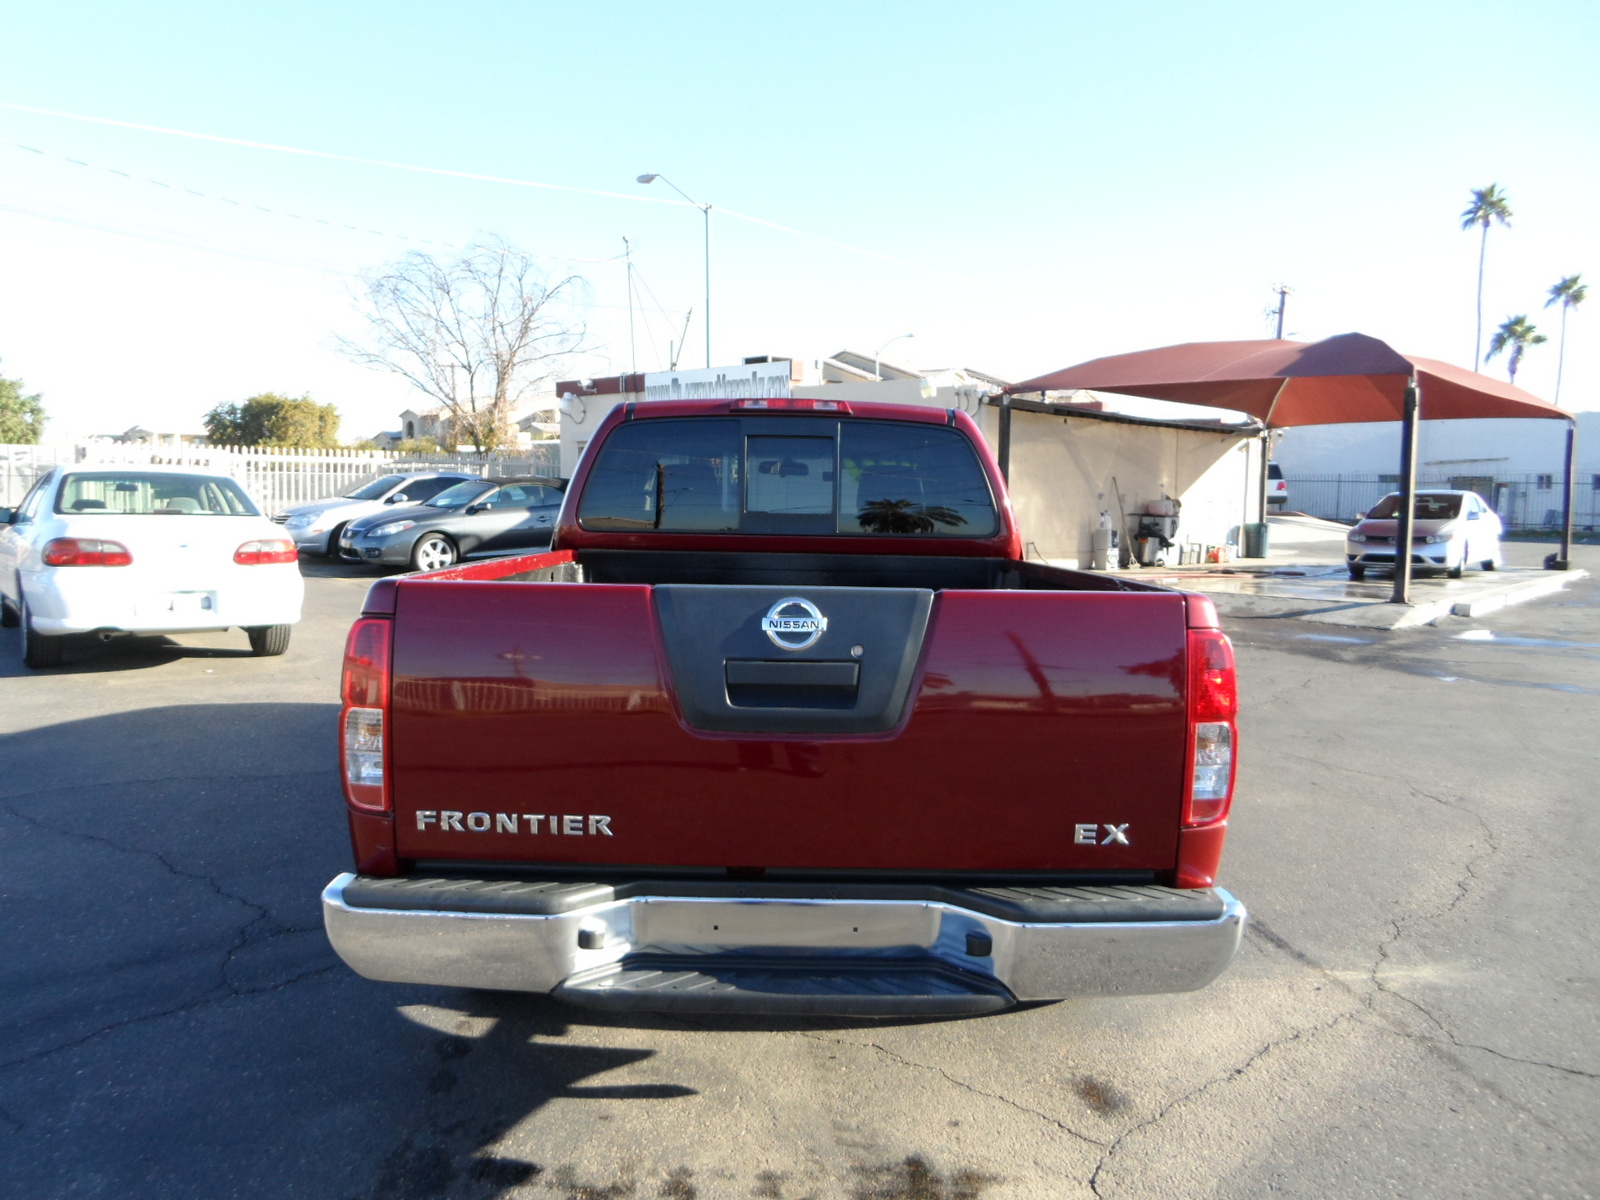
(1369, 614)
(1517, 593)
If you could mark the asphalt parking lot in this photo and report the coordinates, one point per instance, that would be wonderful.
(1415, 1012)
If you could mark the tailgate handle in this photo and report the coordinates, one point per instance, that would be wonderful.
(753, 683)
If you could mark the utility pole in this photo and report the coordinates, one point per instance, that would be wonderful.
(1282, 291)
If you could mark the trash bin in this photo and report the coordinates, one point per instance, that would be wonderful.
(1255, 540)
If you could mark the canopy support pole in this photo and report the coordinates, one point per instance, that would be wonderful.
(1266, 457)
(1408, 488)
(1003, 451)
(1560, 563)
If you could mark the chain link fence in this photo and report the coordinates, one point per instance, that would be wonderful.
(1523, 501)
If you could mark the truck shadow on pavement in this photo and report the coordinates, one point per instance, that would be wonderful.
(504, 1063)
(473, 1088)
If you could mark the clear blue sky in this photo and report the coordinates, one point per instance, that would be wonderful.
(1057, 181)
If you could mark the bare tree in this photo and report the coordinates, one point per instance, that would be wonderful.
(477, 334)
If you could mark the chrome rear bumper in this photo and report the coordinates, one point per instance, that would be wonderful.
(512, 937)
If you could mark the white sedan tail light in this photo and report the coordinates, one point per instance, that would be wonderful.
(266, 550)
(86, 552)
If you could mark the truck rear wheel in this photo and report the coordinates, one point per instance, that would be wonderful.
(267, 641)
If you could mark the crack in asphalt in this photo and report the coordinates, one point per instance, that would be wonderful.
(1386, 1024)
(225, 988)
(205, 1001)
(894, 1056)
(1226, 1077)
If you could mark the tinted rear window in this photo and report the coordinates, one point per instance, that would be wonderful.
(140, 493)
(791, 475)
(1427, 507)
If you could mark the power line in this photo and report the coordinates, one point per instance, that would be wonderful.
(265, 208)
(177, 240)
(453, 174)
(188, 191)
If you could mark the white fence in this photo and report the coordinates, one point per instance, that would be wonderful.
(276, 478)
(1523, 501)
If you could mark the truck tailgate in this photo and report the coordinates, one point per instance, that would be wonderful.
(980, 730)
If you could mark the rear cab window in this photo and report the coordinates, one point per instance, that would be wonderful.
(789, 475)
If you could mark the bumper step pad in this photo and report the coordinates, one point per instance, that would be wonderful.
(867, 989)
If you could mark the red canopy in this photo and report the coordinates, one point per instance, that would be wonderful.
(1339, 380)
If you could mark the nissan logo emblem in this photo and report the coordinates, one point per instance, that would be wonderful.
(794, 624)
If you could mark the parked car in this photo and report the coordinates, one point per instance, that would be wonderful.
(480, 516)
(1450, 532)
(114, 549)
(1277, 486)
(316, 526)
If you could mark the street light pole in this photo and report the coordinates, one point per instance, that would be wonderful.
(705, 210)
(877, 359)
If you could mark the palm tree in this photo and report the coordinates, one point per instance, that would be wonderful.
(1488, 204)
(1519, 335)
(1571, 292)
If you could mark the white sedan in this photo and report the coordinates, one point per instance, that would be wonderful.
(1450, 532)
(109, 550)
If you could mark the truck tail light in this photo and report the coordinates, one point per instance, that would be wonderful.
(363, 722)
(1213, 709)
(266, 550)
(86, 552)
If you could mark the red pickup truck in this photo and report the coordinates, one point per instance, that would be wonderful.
(784, 723)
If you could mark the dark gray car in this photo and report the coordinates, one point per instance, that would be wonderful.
(480, 516)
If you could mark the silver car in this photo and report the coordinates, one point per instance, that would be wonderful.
(1450, 532)
(316, 526)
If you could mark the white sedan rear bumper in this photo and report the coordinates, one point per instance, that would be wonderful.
(63, 600)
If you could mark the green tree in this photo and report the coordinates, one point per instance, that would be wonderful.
(273, 420)
(1517, 334)
(21, 417)
(1488, 205)
(1569, 292)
